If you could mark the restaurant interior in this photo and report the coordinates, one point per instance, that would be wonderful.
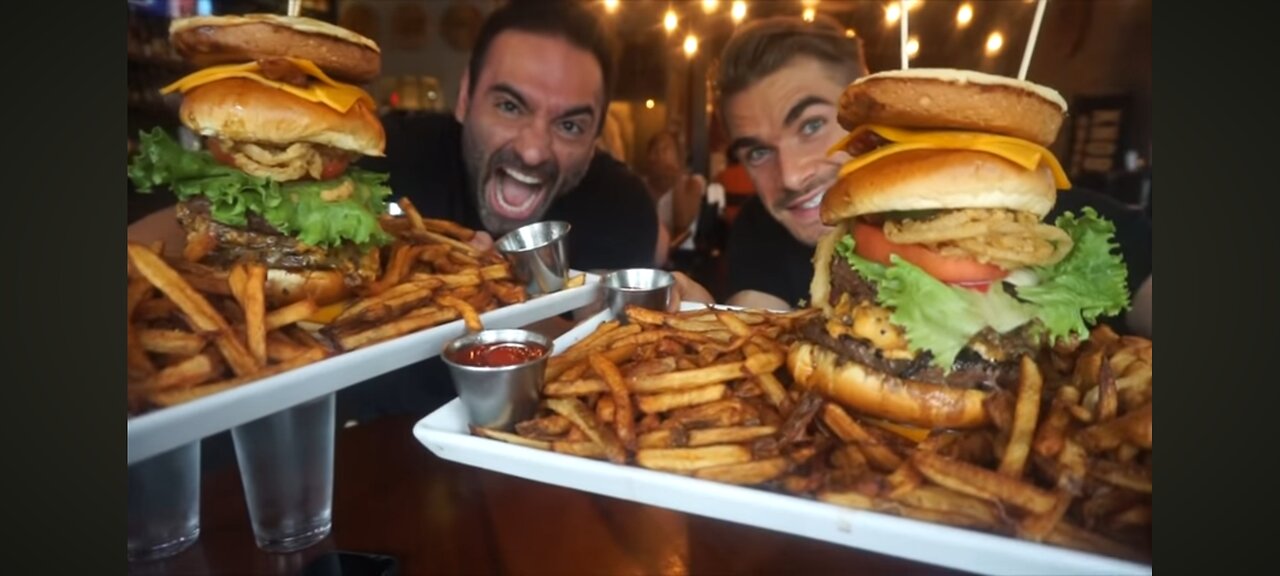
(396, 504)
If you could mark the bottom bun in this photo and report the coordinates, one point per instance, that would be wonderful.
(288, 286)
(877, 394)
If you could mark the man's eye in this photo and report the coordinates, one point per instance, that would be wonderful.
(811, 127)
(757, 155)
(571, 128)
(508, 107)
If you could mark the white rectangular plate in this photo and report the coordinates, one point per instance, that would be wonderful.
(444, 432)
(168, 428)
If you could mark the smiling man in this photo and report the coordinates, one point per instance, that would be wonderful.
(520, 146)
(779, 84)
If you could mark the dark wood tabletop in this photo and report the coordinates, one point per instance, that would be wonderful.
(392, 496)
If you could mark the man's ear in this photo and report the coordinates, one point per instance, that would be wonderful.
(460, 109)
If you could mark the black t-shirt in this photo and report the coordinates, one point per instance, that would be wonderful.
(764, 256)
(614, 223)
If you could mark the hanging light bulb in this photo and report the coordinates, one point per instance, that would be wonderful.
(690, 45)
(739, 11)
(670, 21)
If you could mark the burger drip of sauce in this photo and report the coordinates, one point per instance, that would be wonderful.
(498, 354)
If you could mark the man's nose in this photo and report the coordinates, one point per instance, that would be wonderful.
(797, 169)
(534, 144)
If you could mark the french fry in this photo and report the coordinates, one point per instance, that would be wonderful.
(585, 420)
(468, 312)
(254, 305)
(197, 309)
(651, 403)
(939, 499)
(546, 427)
(1134, 427)
(1036, 527)
(1108, 400)
(575, 281)
(747, 473)
(1052, 433)
(509, 438)
(290, 314)
(139, 364)
(198, 246)
(185, 374)
(688, 459)
(879, 455)
(1025, 415)
(688, 379)
(623, 414)
(583, 449)
(175, 342)
(416, 320)
(983, 483)
(1128, 476)
(171, 398)
(1069, 535)
(281, 348)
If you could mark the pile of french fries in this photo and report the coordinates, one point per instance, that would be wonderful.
(1067, 460)
(195, 330)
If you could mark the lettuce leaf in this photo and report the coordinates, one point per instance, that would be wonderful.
(294, 208)
(1090, 282)
(935, 316)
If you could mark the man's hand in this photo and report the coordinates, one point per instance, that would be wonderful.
(758, 300)
(686, 290)
(482, 241)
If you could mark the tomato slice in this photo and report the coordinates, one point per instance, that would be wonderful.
(333, 167)
(872, 244)
(222, 156)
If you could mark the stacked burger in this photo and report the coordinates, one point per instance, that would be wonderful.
(276, 103)
(941, 272)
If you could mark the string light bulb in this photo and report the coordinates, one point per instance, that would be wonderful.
(690, 45)
(913, 47)
(739, 11)
(809, 14)
(611, 6)
(649, 104)
(670, 21)
(995, 41)
(964, 15)
(710, 6)
(892, 13)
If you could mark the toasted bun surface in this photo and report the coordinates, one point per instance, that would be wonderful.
(211, 40)
(954, 99)
(288, 286)
(939, 179)
(249, 111)
(876, 394)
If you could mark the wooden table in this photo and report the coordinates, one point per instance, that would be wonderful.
(392, 496)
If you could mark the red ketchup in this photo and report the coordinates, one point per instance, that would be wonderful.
(497, 354)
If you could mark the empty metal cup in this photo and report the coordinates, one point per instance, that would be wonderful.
(497, 396)
(538, 254)
(643, 287)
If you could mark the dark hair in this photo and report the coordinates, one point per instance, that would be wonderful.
(762, 47)
(571, 20)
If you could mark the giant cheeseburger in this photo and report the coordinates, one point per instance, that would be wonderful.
(281, 122)
(941, 273)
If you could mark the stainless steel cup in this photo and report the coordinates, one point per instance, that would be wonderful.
(538, 254)
(643, 287)
(498, 397)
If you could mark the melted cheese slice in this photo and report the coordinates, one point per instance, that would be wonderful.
(1027, 154)
(324, 90)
